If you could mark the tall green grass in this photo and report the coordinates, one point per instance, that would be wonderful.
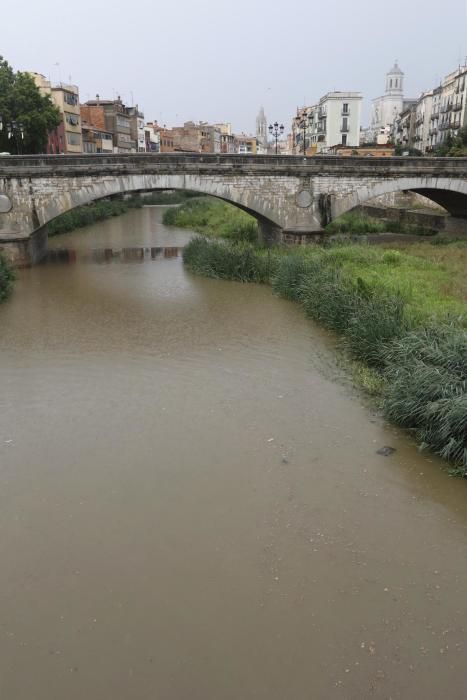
(214, 218)
(7, 277)
(426, 389)
(229, 260)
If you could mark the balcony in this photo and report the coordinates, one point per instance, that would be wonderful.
(345, 113)
(434, 115)
(345, 129)
(457, 107)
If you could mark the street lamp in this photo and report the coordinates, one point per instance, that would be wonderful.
(276, 131)
(302, 123)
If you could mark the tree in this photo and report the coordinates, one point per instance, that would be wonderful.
(21, 102)
(459, 146)
(454, 146)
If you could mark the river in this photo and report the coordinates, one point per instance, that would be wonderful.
(192, 506)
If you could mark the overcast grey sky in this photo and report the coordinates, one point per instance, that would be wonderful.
(219, 61)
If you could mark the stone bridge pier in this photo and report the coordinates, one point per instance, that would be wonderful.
(287, 195)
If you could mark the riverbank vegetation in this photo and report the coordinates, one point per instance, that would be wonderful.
(97, 211)
(361, 223)
(7, 277)
(107, 208)
(400, 314)
(217, 219)
(213, 218)
(168, 197)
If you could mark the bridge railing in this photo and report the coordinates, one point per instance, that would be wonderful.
(173, 161)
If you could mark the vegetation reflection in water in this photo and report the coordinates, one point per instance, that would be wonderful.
(104, 255)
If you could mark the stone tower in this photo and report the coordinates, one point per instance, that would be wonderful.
(395, 81)
(262, 130)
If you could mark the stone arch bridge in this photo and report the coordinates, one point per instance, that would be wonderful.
(287, 194)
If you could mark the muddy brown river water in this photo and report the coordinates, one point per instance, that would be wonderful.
(191, 503)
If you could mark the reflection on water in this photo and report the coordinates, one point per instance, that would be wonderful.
(193, 508)
(67, 256)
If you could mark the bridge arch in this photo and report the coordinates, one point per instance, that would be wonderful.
(259, 207)
(450, 193)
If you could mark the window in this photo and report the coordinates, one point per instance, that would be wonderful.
(73, 139)
(345, 108)
(72, 119)
(344, 139)
(123, 122)
(70, 98)
(345, 124)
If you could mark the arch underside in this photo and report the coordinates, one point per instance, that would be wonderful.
(454, 202)
(449, 194)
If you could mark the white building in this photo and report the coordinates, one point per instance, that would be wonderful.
(452, 111)
(423, 113)
(334, 121)
(152, 137)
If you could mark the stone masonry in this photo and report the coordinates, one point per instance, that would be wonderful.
(286, 194)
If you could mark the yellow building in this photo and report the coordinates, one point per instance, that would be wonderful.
(245, 144)
(67, 137)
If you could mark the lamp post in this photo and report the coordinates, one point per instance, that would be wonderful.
(276, 131)
(302, 124)
(14, 130)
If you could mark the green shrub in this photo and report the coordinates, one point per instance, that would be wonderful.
(7, 277)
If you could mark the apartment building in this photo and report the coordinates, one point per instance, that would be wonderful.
(423, 111)
(152, 137)
(334, 121)
(67, 137)
(137, 128)
(438, 114)
(227, 139)
(197, 138)
(403, 129)
(452, 109)
(111, 116)
(245, 144)
(95, 140)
